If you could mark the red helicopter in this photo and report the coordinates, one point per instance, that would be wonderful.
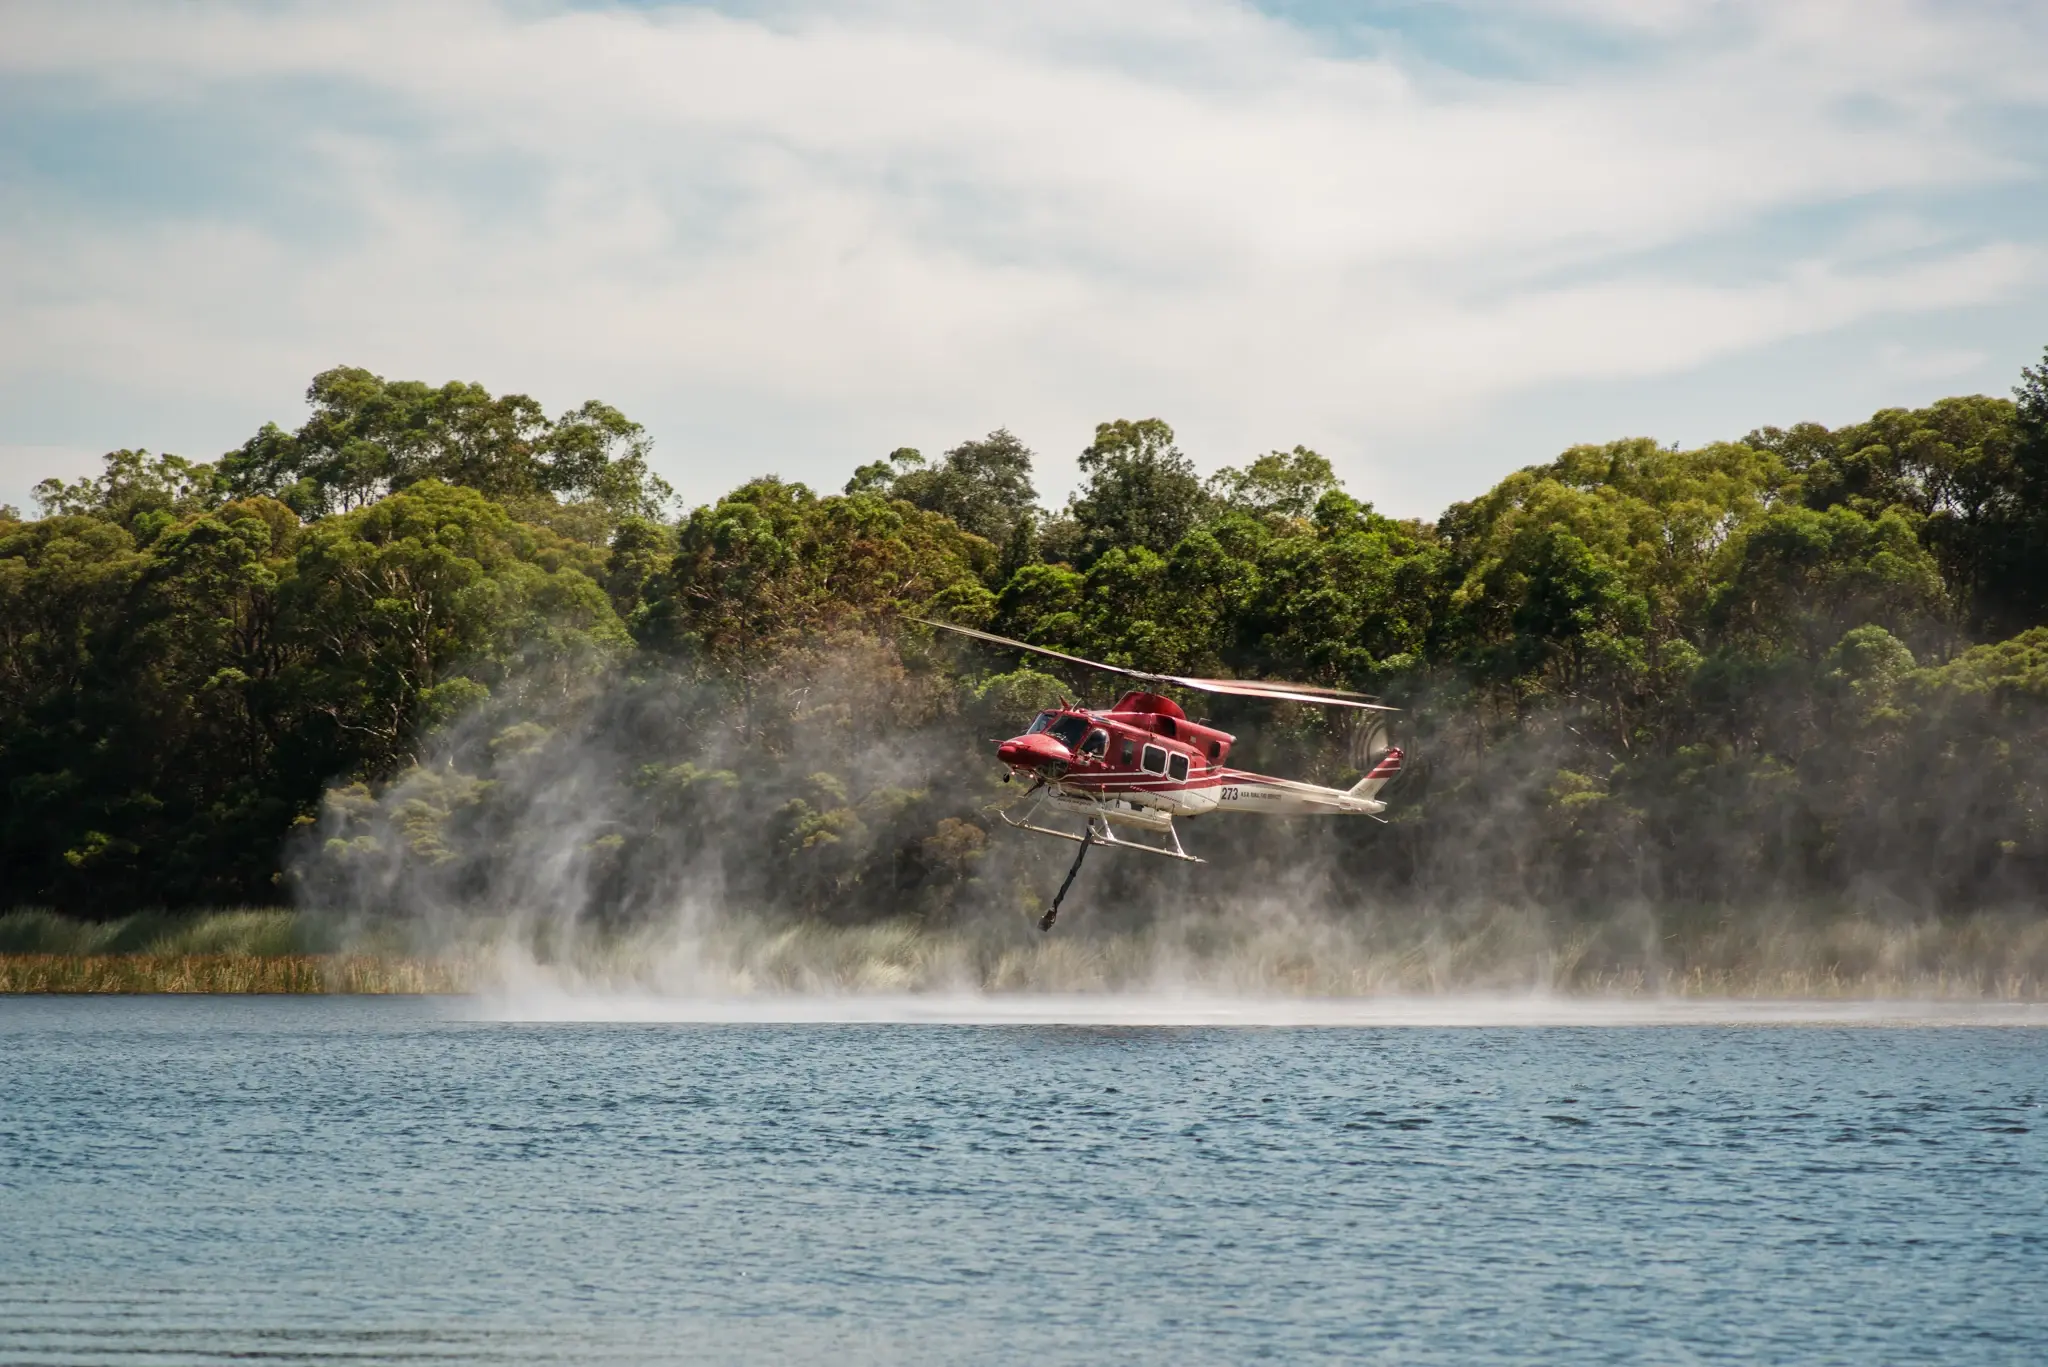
(1142, 762)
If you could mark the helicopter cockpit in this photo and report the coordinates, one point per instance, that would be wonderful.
(1065, 729)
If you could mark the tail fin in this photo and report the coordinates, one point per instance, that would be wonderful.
(1382, 773)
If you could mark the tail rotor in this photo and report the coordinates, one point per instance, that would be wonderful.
(1374, 755)
(1370, 740)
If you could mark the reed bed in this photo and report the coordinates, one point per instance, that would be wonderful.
(260, 950)
(257, 974)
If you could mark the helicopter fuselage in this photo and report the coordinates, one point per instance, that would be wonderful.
(1144, 758)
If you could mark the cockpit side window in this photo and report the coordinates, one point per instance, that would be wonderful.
(1097, 744)
(1069, 730)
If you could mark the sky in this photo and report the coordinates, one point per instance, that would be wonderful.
(1434, 241)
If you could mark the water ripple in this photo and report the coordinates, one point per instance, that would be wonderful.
(323, 1181)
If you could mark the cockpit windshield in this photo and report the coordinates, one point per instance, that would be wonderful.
(1066, 730)
(1069, 730)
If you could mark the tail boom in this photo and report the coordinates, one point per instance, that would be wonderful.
(1265, 796)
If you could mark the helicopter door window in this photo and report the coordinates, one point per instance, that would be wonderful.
(1130, 753)
(1177, 768)
(1155, 760)
(1097, 744)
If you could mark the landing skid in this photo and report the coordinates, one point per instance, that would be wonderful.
(1099, 828)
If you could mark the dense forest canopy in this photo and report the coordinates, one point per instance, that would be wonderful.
(1810, 662)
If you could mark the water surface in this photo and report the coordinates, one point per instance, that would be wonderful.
(330, 1179)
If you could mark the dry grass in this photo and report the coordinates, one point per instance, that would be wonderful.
(229, 973)
(267, 950)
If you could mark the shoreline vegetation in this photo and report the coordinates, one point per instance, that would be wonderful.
(1767, 714)
(228, 974)
(1985, 957)
(269, 951)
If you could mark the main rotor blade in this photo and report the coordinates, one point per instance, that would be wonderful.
(1041, 650)
(1308, 693)
(1316, 694)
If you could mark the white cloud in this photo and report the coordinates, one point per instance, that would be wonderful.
(826, 231)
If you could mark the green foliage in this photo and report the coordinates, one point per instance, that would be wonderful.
(171, 709)
(1799, 578)
(1964, 472)
(141, 492)
(1141, 492)
(1811, 660)
(1282, 484)
(438, 578)
(368, 436)
(983, 486)
(773, 566)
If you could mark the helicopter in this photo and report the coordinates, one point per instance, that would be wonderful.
(1139, 763)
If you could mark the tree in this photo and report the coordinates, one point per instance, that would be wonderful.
(1140, 490)
(1583, 583)
(984, 486)
(171, 659)
(772, 566)
(878, 478)
(1340, 606)
(2030, 397)
(595, 452)
(425, 601)
(2013, 579)
(368, 436)
(1285, 484)
(1957, 471)
(139, 491)
(1798, 579)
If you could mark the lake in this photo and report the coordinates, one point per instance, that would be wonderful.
(373, 1180)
